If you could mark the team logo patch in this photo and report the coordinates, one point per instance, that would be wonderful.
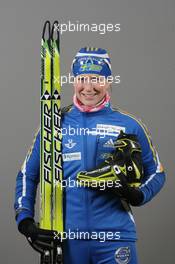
(123, 255)
(72, 156)
(70, 144)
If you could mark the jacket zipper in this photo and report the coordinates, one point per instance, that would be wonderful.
(85, 168)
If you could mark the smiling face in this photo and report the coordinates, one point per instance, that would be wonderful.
(90, 89)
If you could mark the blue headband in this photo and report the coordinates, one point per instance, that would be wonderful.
(92, 61)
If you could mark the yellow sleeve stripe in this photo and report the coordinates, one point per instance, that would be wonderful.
(33, 142)
(30, 149)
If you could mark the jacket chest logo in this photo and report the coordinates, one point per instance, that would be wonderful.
(109, 143)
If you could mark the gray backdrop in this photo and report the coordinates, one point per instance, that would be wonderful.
(142, 53)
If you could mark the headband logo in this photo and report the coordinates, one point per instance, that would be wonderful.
(88, 65)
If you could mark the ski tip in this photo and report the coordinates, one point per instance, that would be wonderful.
(47, 26)
(55, 30)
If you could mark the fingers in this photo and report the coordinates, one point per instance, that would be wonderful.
(43, 245)
(47, 232)
(40, 246)
(48, 236)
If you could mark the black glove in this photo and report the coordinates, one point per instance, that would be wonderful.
(128, 157)
(39, 239)
(132, 195)
(121, 172)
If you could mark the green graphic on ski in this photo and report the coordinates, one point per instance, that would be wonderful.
(57, 218)
(51, 194)
(46, 133)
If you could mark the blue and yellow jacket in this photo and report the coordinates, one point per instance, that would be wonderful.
(87, 141)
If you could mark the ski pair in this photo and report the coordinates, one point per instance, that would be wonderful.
(51, 195)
